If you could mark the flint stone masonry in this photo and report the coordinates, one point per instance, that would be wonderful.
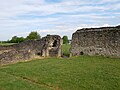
(49, 46)
(96, 41)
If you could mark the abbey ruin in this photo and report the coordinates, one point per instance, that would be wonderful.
(49, 46)
(87, 41)
(96, 41)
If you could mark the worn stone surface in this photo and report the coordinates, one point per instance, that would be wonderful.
(49, 46)
(96, 41)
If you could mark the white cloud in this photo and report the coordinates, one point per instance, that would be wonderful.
(12, 8)
(63, 17)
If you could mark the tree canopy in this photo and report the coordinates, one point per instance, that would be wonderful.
(33, 36)
(16, 39)
(65, 40)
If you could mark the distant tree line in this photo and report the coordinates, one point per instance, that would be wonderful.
(32, 36)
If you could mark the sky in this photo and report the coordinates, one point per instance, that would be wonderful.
(62, 17)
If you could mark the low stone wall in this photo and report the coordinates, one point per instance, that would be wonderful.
(96, 41)
(45, 47)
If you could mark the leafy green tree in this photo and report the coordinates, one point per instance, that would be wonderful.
(20, 39)
(33, 36)
(16, 39)
(65, 40)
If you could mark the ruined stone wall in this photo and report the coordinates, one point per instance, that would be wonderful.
(45, 47)
(96, 41)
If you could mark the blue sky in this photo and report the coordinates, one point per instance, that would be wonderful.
(63, 17)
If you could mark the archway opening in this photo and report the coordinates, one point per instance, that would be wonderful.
(39, 53)
(54, 44)
(81, 53)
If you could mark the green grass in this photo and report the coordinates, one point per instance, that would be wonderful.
(66, 49)
(76, 73)
(6, 44)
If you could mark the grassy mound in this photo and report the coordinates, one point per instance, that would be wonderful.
(76, 73)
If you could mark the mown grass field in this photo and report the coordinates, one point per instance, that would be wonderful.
(76, 73)
(66, 49)
(6, 44)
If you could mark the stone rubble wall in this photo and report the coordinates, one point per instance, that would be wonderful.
(31, 49)
(96, 41)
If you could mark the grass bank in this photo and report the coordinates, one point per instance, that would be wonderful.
(66, 49)
(6, 44)
(76, 73)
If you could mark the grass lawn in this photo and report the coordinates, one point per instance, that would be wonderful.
(66, 49)
(76, 73)
(6, 44)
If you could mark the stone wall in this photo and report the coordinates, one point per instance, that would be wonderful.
(49, 46)
(96, 41)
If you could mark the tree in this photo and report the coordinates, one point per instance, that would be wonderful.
(33, 36)
(16, 39)
(65, 40)
(20, 39)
